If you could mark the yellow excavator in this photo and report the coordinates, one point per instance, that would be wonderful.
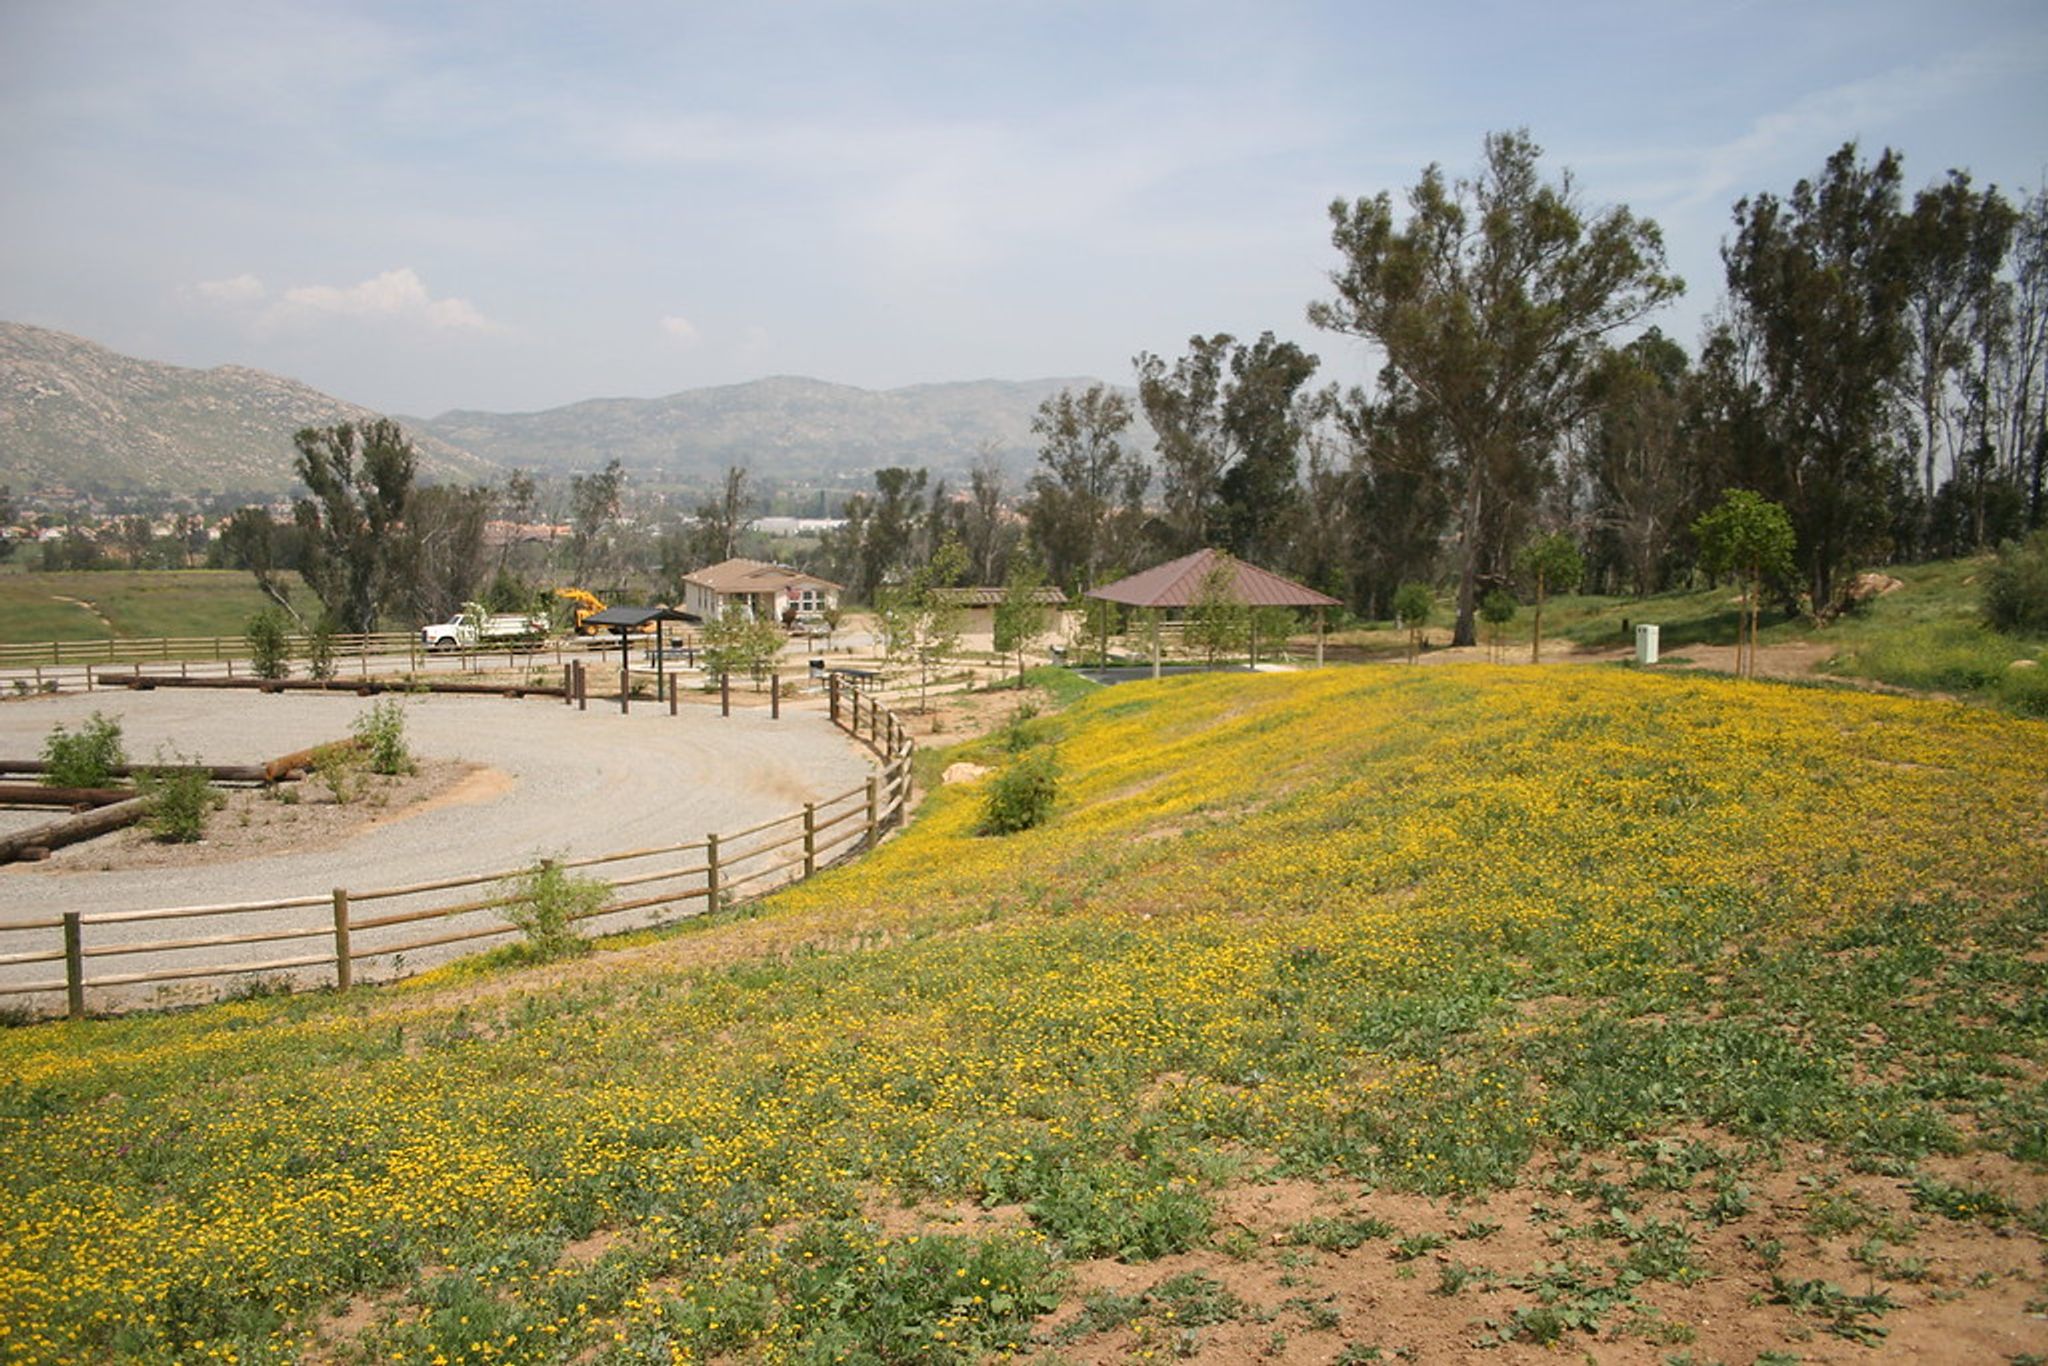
(583, 603)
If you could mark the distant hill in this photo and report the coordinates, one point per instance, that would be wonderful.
(73, 413)
(784, 427)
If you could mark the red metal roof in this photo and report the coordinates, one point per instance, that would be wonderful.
(1177, 583)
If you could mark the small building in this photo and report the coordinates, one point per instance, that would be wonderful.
(978, 605)
(773, 592)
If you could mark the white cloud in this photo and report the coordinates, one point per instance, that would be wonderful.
(396, 295)
(241, 289)
(682, 329)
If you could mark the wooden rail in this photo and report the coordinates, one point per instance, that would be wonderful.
(711, 872)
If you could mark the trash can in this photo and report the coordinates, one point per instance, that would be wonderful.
(1646, 644)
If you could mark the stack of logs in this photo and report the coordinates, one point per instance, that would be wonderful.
(100, 810)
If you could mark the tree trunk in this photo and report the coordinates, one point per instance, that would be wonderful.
(1462, 632)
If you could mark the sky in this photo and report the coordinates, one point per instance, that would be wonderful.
(510, 206)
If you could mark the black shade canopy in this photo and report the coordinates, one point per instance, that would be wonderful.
(626, 618)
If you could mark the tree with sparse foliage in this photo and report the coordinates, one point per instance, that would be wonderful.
(1751, 537)
(360, 480)
(921, 627)
(1497, 609)
(1219, 623)
(1021, 618)
(1547, 564)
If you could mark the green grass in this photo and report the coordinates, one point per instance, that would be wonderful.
(155, 602)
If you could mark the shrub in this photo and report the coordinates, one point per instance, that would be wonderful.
(381, 732)
(86, 757)
(1021, 796)
(340, 766)
(2016, 588)
(546, 904)
(320, 649)
(269, 637)
(180, 798)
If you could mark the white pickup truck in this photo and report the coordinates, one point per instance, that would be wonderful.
(461, 632)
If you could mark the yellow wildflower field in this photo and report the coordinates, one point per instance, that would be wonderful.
(1437, 932)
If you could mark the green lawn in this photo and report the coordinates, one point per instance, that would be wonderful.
(157, 602)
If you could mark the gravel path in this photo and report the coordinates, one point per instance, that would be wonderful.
(583, 782)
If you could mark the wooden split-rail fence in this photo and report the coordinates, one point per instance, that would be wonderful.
(349, 934)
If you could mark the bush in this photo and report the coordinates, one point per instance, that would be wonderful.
(340, 766)
(269, 637)
(381, 732)
(2016, 588)
(1021, 796)
(546, 904)
(86, 757)
(180, 798)
(320, 649)
(2026, 690)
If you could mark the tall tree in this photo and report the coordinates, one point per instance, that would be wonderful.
(987, 531)
(1265, 416)
(1817, 282)
(715, 537)
(1953, 247)
(1184, 406)
(2020, 376)
(1085, 504)
(1644, 478)
(1489, 304)
(594, 504)
(360, 479)
(438, 563)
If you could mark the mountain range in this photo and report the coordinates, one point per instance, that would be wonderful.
(76, 414)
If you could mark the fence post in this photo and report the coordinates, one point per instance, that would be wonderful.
(774, 697)
(874, 809)
(832, 686)
(74, 966)
(810, 838)
(88, 678)
(344, 970)
(711, 872)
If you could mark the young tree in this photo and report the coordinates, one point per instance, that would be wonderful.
(1497, 609)
(1547, 563)
(919, 626)
(1489, 304)
(1219, 622)
(1021, 618)
(1084, 508)
(1414, 605)
(1751, 537)
(360, 478)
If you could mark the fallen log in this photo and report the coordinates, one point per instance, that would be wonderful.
(220, 773)
(361, 687)
(71, 829)
(42, 794)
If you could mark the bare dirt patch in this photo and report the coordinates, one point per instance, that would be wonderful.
(290, 817)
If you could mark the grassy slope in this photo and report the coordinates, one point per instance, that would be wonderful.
(152, 602)
(1438, 931)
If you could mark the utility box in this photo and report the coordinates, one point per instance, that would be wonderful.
(1646, 644)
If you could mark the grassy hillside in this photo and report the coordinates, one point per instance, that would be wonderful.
(1638, 1013)
(151, 602)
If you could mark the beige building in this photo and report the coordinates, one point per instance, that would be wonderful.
(772, 591)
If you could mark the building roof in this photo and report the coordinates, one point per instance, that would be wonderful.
(1051, 595)
(752, 576)
(1178, 583)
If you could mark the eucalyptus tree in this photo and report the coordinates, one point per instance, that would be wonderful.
(1086, 500)
(1818, 284)
(1489, 303)
(359, 479)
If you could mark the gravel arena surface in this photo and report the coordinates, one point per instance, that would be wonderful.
(553, 780)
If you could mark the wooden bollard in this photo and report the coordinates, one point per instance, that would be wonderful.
(674, 688)
(625, 688)
(832, 687)
(344, 970)
(74, 966)
(568, 685)
(582, 687)
(774, 697)
(725, 694)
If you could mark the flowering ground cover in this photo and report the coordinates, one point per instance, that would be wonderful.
(1667, 1018)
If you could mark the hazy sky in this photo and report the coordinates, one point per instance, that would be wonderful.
(510, 206)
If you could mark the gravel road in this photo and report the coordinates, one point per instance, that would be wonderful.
(582, 782)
